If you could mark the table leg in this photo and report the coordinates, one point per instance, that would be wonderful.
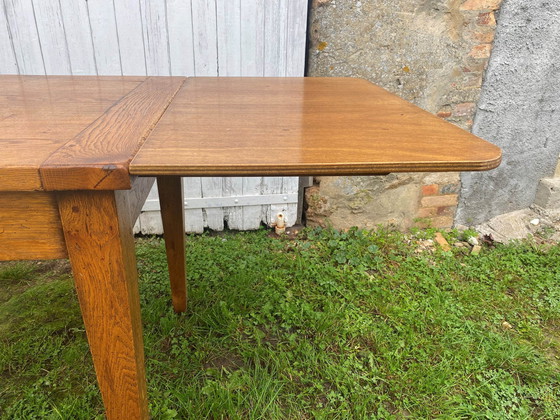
(170, 190)
(97, 228)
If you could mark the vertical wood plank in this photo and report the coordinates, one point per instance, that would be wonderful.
(50, 27)
(105, 37)
(180, 27)
(150, 221)
(27, 48)
(154, 28)
(232, 187)
(78, 37)
(172, 215)
(8, 64)
(212, 187)
(290, 185)
(271, 185)
(131, 41)
(193, 217)
(252, 214)
(252, 64)
(137, 227)
(229, 37)
(204, 38)
(252, 38)
(275, 37)
(98, 231)
(297, 28)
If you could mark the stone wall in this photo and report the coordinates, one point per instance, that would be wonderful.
(430, 52)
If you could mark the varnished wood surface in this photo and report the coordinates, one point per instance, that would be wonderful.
(63, 133)
(98, 231)
(170, 190)
(30, 227)
(98, 157)
(303, 126)
(40, 114)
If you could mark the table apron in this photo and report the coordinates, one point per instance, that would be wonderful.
(30, 227)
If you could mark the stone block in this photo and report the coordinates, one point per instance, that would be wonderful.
(481, 51)
(452, 188)
(343, 202)
(548, 194)
(464, 109)
(439, 200)
(481, 5)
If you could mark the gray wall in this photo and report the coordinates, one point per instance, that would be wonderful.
(518, 111)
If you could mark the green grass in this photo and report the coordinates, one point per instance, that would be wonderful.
(332, 325)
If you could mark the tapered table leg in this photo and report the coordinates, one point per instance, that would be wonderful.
(170, 190)
(97, 228)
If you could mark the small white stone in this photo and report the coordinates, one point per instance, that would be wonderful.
(472, 241)
(535, 222)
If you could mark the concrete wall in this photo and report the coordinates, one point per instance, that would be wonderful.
(518, 111)
(430, 52)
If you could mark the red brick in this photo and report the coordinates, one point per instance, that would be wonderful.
(444, 114)
(435, 222)
(430, 189)
(486, 19)
(464, 109)
(475, 66)
(446, 211)
(442, 222)
(427, 212)
(484, 37)
(481, 51)
(439, 200)
(472, 80)
(442, 242)
(480, 5)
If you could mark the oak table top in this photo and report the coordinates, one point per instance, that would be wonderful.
(70, 133)
(79, 156)
(303, 126)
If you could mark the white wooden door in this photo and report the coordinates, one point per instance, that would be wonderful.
(169, 37)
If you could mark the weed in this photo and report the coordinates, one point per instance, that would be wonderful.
(332, 324)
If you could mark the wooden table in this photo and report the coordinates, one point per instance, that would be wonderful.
(79, 155)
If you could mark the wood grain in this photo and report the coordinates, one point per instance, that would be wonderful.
(30, 227)
(98, 158)
(303, 126)
(170, 189)
(40, 114)
(98, 231)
